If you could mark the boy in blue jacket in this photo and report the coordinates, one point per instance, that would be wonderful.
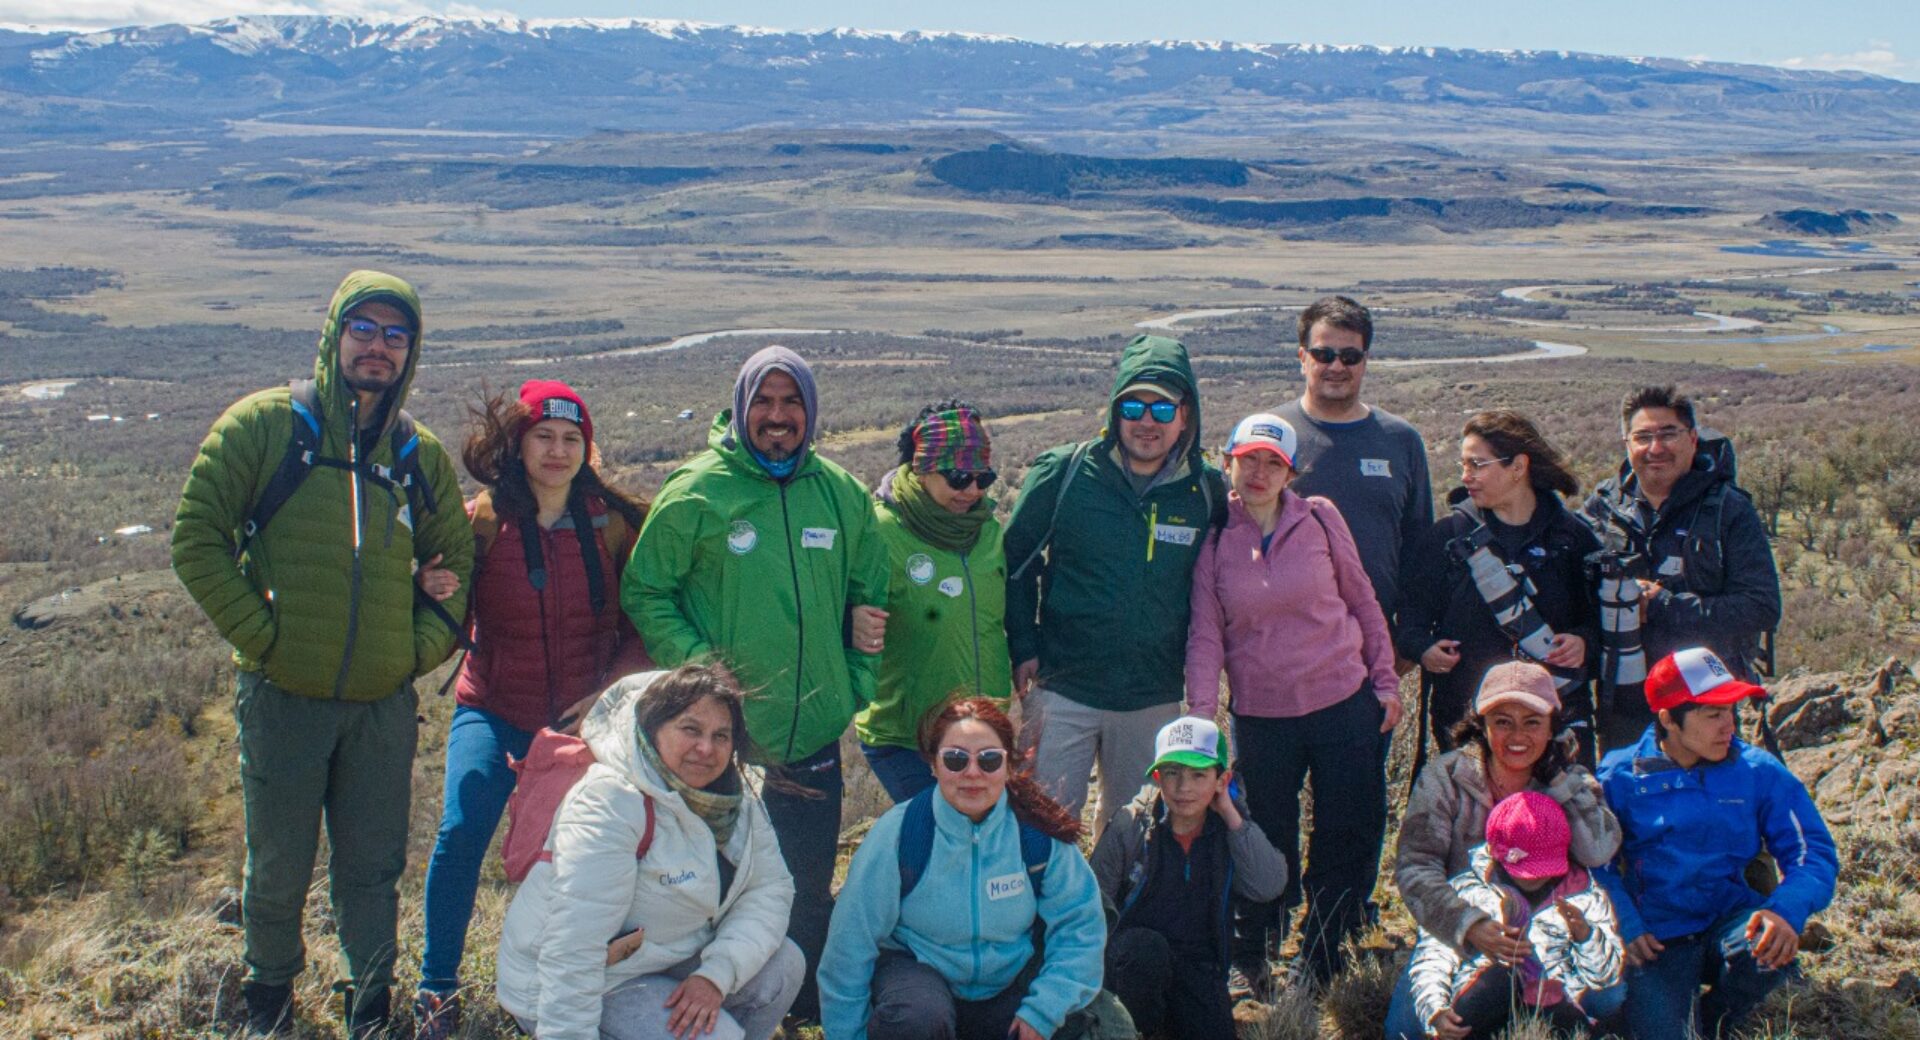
(1696, 806)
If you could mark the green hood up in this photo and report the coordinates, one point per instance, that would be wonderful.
(1158, 359)
(357, 288)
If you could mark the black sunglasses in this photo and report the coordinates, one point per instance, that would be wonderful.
(962, 479)
(1352, 357)
(397, 337)
(955, 760)
(1163, 411)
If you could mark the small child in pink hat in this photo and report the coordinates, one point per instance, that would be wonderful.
(1521, 877)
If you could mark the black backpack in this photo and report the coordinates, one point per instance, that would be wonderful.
(404, 478)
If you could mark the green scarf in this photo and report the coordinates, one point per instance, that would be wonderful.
(931, 522)
(718, 809)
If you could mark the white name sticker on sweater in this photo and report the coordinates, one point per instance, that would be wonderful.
(952, 586)
(817, 537)
(1006, 886)
(1173, 534)
(1375, 468)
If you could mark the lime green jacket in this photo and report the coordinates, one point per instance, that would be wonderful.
(323, 612)
(946, 629)
(760, 574)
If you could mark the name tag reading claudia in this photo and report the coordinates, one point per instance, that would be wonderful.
(1174, 534)
(1006, 886)
(817, 537)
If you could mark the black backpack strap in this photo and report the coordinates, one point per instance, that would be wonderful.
(302, 454)
(583, 532)
(1073, 470)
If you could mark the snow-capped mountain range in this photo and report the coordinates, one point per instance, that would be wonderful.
(574, 75)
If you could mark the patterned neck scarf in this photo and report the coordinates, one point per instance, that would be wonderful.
(717, 805)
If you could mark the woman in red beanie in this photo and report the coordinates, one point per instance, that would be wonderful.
(548, 634)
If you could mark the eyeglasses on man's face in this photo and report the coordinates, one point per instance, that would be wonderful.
(366, 330)
(1352, 357)
(1665, 436)
(1163, 411)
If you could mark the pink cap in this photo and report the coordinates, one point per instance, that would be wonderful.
(1527, 833)
(1521, 682)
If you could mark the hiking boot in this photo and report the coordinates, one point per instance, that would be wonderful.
(371, 1016)
(436, 1016)
(269, 1008)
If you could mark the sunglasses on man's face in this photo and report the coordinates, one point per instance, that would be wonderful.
(954, 760)
(1352, 357)
(1163, 411)
(396, 337)
(962, 479)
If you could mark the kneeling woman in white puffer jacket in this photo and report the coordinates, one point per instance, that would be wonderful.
(687, 939)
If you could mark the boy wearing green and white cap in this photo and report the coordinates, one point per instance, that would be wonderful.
(1169, 866)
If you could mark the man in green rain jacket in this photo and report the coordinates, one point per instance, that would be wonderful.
(328, 636)
(755, 553)
(1100, 551)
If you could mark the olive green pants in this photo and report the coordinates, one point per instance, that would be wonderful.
(303, 761)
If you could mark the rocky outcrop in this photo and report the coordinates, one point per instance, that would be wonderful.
(1851, 740)
(1837, 223)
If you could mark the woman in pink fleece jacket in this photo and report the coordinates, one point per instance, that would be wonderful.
(1281, 602)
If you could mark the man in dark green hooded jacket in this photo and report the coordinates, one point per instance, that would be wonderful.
(328, 636)
(1100, 551)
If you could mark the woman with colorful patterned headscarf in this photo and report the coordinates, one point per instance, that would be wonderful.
(946, 589)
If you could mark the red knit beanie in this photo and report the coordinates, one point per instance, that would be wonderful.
(552, 399)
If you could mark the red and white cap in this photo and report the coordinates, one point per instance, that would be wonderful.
(1695, 676)
(1264, 431)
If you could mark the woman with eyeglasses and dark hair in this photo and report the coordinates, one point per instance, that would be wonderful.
(547, 633)
(939, 930)
(946, 589)
(1500, 578)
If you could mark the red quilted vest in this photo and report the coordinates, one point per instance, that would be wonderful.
(537, 652)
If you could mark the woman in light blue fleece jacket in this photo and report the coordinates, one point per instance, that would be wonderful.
(988, 863)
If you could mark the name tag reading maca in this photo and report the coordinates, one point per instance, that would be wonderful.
(1375, 468)
(817, 537)
(1174, 534)
(1006, 886)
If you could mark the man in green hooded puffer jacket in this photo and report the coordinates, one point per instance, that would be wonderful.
(1100, 552)
(328, 637)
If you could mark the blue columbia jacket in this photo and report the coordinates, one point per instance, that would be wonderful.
(1690, 833)
(969, 918)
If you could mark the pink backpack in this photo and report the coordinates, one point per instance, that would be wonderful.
(554, 763)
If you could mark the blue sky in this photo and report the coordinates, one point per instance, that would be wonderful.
(1874, 35)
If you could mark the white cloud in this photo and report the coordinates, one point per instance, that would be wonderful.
(110, 14)
(1877, 57)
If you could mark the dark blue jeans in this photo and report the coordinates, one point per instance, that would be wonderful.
(1661, 995)
(478, 783)
(808, 824)
(900, 770)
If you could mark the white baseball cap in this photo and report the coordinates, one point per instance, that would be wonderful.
(1264, 431)
(1189, 741)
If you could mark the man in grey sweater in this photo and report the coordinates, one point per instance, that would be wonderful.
(1370, 462)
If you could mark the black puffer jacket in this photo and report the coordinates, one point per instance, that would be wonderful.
(1719, 587)
(1439, 599)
